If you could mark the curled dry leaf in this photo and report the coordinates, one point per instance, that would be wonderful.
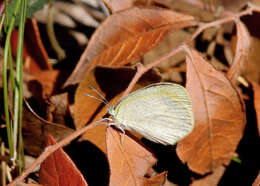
(35, 132)
(106, 81)
(219, 118)
(120, 40)
(256, 88)
(157, 180)
(59, 169)
(242, 51)
(128, 160)
(58, 108)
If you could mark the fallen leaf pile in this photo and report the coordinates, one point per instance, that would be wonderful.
(219, 65)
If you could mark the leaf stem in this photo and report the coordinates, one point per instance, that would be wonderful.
(5, 83)
(11, 68)
(51, 149)
(19, 76)
(142, 69)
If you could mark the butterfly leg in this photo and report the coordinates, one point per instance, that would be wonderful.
(120, 128)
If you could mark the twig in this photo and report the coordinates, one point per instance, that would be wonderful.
(254, 7)
(249, 10)
(49, 150)
(39, 117)
(142, 69)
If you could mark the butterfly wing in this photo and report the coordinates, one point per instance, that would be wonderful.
(161, 112)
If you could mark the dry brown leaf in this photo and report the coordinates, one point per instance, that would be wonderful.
(170, 68)
(58, 169)
(58, 108)
(252, 70)
(33, 51)
(211, 179)
(47, 80)
(257, 180)
(127, 39)
(109, 82)
(219, 118)
(29, 184)
(171, 41)
(256, 88)
(233, 5)
(157, 180)
(255, 2)
(118, 5)
(104, 80)
(217, 5)
(35, 132)
(195, 8)
(97, 136)
(242, 51)
(87, 109)
(128, 160)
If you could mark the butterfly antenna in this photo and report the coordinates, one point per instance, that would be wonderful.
(103, 100)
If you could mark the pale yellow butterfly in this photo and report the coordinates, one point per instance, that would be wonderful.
(161, 112)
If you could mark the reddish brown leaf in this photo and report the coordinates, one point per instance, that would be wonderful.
(85, 106)
(127, 39)
(129, 162)
(105, 80)
(256, 88)
(47, 79)
(257, 180)
(211, 179)
(242, 51)
(34, 52)
(118, 5)
(219, 118)
(87, 109)
(58, 169)
(157, 180)
(251, 70)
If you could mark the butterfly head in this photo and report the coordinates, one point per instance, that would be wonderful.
(111, 110)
